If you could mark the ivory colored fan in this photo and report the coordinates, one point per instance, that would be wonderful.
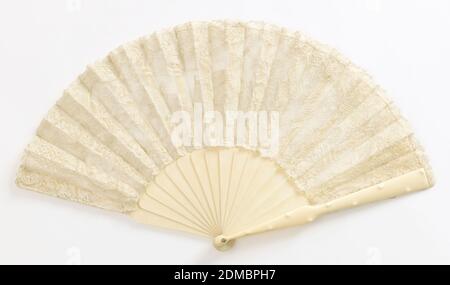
(224, 129)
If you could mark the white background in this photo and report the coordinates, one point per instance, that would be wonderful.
(405, 45)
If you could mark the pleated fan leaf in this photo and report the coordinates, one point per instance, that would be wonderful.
(334, 139)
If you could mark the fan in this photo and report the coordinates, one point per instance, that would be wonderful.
(224, 129)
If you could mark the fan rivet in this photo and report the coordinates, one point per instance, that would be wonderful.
(222, 243)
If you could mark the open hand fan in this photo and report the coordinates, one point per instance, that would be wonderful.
(224, 129)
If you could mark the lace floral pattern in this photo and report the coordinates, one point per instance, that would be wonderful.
(109, 135)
